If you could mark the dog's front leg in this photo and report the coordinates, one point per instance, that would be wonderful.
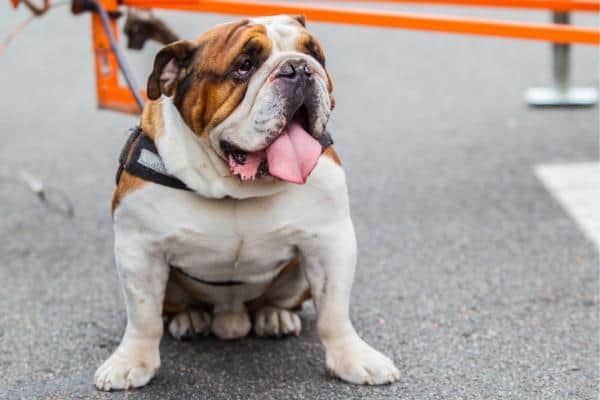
(330, 262)
(143, 278)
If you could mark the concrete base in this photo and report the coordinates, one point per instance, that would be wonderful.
(572, 97)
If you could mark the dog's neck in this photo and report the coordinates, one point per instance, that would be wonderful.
(192, 160)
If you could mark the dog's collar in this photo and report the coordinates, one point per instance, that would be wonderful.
(140, 158)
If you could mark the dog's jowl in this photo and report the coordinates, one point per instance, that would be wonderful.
(231, 207)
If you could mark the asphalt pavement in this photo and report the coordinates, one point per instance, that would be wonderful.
(471, 276)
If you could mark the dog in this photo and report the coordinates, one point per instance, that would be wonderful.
(240, 212)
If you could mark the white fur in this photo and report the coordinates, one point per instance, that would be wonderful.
(248, 236)
(281, 29)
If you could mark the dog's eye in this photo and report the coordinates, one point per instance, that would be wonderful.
(243, 69)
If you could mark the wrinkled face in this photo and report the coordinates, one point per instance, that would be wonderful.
(245, 85)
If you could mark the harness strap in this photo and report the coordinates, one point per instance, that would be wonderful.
(140, 157)
(213, 283)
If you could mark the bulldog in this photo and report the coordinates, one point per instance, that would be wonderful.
(259, 219)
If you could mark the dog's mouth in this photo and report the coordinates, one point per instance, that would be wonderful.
(291, 156)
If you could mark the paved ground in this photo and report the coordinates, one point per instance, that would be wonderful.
(472, 276)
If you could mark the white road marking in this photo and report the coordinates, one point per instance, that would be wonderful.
(577, 188)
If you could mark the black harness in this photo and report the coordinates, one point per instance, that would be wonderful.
(140, 158)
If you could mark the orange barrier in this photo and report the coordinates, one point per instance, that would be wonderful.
(112, 95)
(554, 5)
(547, 32)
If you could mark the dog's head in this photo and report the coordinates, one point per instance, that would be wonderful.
(258, 90)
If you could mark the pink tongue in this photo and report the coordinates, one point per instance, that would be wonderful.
(293, 155)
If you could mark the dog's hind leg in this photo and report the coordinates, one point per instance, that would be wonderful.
(276, 311)
(187, 315)
(188, 305)
(189, 323)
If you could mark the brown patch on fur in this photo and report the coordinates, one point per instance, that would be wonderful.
(190, 287)
(301, 19)
(151, 122)
(152, 125)
(330, 89)
(268, 298)
(170, 308)
(170, 62)
(205, 91)
(310, 45)
(333, 155)
(185, 296)
(306, 295)
(127, 184)
(214, 94)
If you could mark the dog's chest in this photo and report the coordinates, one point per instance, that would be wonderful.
(225, 251)
(224, 240)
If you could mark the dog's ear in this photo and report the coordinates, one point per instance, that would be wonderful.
(169, 64)
(301, 19)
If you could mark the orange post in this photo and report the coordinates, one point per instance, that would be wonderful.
(110, 93)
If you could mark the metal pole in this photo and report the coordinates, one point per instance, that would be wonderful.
(561, 93)
(561, 56)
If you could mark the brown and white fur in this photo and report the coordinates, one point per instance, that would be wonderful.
(287, 242)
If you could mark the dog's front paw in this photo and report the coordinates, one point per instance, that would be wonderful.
(127, 369)
(354, 361)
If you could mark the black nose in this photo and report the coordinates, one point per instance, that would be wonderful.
(294, 69)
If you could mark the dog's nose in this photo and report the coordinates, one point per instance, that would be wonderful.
(294, 69)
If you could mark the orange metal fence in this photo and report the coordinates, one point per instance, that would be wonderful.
(547, 32)
(115, 96)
